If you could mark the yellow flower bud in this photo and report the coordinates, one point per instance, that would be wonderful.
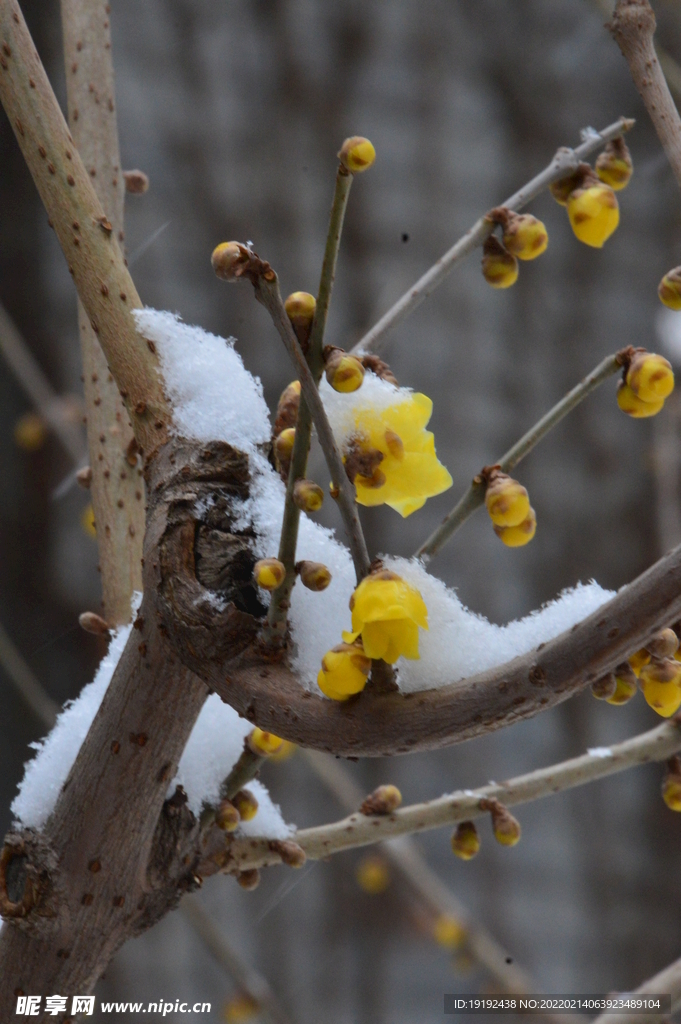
(357, 154)
(344, 372)
(286, 750)
(308, 495)
(638, 660)
(505, 827)
(506, 500)
(283, 450)
(650, 377)
(300, 307)
(241, 1009)
(669, 289)
(614, 165)
(525, 236)
(499, 267)
(465, 840)
(344, 672)
(594, 213)
(605, 687)
(664, 644)
(449, 932)
(287, 408)
(671, 784)
(661, 685)
(625, 685)
(561, 189)
(30, 432)
(264, 743)
(227, 817)
(228, 260)
(383, 800)
(246, 804)
(635, 406)
(269, 573)
(518, 536)
(313, 575)
(387, 613)
(249, 879)
(372, 874)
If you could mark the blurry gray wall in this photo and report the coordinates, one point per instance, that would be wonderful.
(236, 110)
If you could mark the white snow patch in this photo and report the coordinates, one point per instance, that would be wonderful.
(599, 752)
(343, 409)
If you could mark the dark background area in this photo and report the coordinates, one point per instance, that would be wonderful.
(236, 110)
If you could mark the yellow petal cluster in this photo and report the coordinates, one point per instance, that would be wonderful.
(387, 613)
(409, 471)
(661, 685)
(344, 672)
(649, 380)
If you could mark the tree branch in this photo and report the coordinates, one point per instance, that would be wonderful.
(564, 162)
(84, 232)
(475, 495)
(667, 981)
(117, 485)
(361, 830)
(633, 26)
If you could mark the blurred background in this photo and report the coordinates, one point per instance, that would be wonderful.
(236, 110)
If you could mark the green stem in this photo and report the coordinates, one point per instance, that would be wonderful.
(281, 598)
(475, 495)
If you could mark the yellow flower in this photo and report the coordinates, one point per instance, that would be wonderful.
(594, 213)
(344, 672)
(661, 685)
(387, 612)
(391, 456)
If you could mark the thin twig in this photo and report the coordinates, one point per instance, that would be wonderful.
(670, 67)
(564, 162)
(279, 604)
(633, 26)
(117, 488)
(406, 857)
(36, 385)
(25, 682)
(668, 981)
(247, 980)
(359, 830)
(475, 495)
(267, 292)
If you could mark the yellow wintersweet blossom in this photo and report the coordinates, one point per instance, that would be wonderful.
(387, 613)
(391, 456)
(344, 672)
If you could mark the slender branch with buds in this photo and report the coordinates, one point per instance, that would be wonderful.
(564, 162)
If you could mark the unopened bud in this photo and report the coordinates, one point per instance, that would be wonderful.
(291, 853)
(372, 874)
(518, 536)
(465, 840)
(136, 182)
(669, 289)
(249, 879)
(650, 377)
(605, 687)
(308, 495)
(344, 372)
(661, 685)
(594, 212)
(287, 409)
(638, 660)
(283, 450)
(313, 575)
(84, 477)
(499, 267)
(357, 154)
(663, 645)
(625, 685)
(449, 932)
(269, 573)
(506, 500)
(229, 259)
(264, 743)
(246, 804)
(227, 816)
(505, 827)
(614, 165)
(524, 235)
(633, 406)
(93, 623)
(300, 308)
(30, 432)
(383, 800)
(671, 784)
